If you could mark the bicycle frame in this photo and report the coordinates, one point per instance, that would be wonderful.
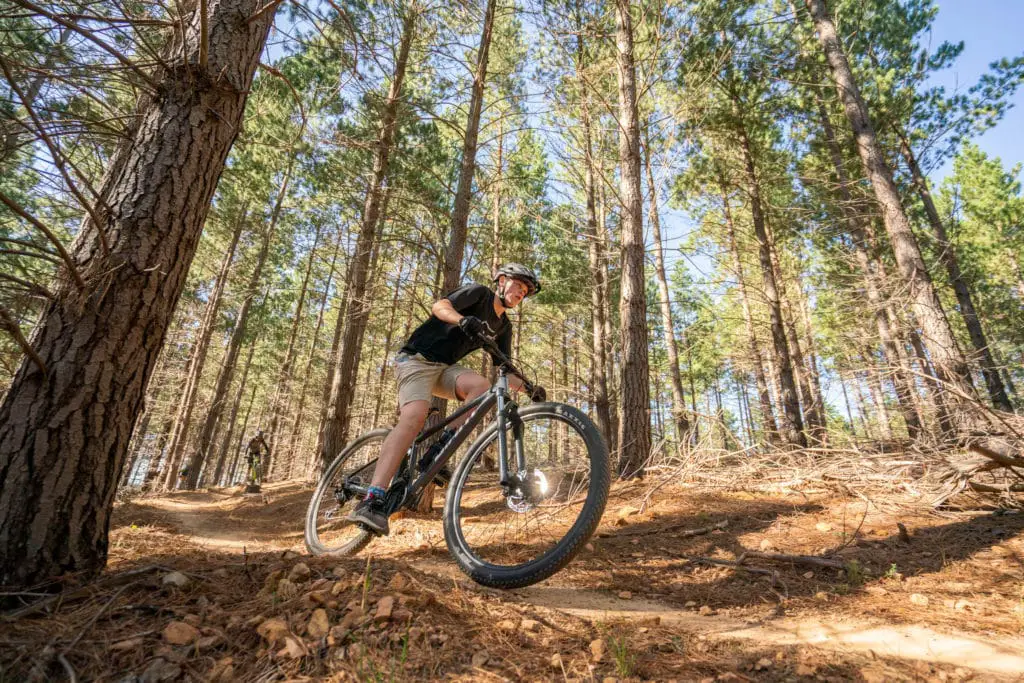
(507, 411)
(498, 396)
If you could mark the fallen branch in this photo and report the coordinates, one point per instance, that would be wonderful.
(683, 534)
(81, 591)
(793, 559)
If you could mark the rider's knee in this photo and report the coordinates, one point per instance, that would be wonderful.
(471, 385)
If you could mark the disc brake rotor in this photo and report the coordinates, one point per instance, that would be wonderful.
(531, 490)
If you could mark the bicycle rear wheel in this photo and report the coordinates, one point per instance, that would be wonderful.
(514, 540)
(327, 529)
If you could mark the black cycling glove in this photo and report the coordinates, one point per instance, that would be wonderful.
(472, 326)
(539, 394)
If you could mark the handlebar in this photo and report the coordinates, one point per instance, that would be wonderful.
(505, 362)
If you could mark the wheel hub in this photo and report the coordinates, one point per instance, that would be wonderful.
(529, 490)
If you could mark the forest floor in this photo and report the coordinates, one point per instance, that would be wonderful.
(942, 601)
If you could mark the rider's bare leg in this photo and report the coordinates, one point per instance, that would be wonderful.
(411, 417)
(468, 386)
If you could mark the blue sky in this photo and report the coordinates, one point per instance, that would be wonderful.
(990, 29)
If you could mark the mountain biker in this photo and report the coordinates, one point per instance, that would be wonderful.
(257, 446)
(426, 366)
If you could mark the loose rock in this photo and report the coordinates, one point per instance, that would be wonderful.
(919, 600)
(286, 590)
(176, 579)
(299, 573)
(318, 625)
(180, 633)
(273, 630)
(384, 608)
(597, 649)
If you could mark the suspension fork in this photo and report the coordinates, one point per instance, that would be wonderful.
(508, 412)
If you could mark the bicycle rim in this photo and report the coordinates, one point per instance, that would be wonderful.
(511, 541)
(327, 529)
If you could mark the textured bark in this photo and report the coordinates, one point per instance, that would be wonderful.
(950, 364)
(818, 396)
(282, 392)
(634, 386)
(225, 445)
(598, 273)
(869, 267)
(64, 437)
(455, 251)
(385, 366)
(947, 254)
(496, 201)
(357, 306)
(609, 347)
(811, 405)
(767, 414)
(872, 374)
(310, 357)
(682, 424)
(204, 443)
(197, 360)
(792, 427)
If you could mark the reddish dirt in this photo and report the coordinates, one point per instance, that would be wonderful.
(944, 603)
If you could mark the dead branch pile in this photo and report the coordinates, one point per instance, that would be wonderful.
(984, 471)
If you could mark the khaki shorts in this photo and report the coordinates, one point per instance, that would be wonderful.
(420, 379)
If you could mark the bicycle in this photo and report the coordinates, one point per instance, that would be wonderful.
(504, 529)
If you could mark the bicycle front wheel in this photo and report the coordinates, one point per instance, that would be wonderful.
(514, 538)
(327, 529)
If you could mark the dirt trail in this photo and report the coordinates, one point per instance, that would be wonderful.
(1000, 655)
(227, 521)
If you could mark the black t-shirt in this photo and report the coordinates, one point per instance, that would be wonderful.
(439, 342)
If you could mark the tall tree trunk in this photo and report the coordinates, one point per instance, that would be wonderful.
(334, 431)
(792, 424)
(813, 419)
(950, 365)
(233, 418)
(682, 425)
(869, 268)
(872, 375)
(325, 399)
(455, 251)
(197, 361)
(241, 438)
(282, 391)
(609, 347)
(310, 357)
(496, 202)
(388, 336)
(64, 434)
(947, 254)
(227, 370)
(597, 265)
(767, 414)
(634, 386)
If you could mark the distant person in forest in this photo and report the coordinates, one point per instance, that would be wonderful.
(426, 367)
(256, 448)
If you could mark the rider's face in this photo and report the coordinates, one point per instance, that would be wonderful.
(515, 292)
